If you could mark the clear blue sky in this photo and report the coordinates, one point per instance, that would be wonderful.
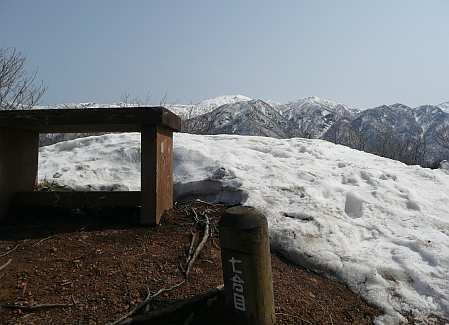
(361, 53)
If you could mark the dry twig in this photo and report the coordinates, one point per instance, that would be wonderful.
(195, 215)
(187, 303)
(34, 307)
(214, 243)
(199, 248)
(6, 264)
(42, 240)
(205, 202)
(10, 251)
(145, 302)
(192, 245)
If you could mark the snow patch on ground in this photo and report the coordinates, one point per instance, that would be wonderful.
(378, 225)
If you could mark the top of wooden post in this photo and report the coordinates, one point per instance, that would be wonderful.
(243, 218)
(120, 119)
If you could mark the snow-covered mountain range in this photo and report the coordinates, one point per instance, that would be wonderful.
(308, 117)
(253, 117)
(411, 135)
(394, 131)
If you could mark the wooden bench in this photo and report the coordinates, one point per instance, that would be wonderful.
(19, 151)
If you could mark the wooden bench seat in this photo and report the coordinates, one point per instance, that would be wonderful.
(19, 151)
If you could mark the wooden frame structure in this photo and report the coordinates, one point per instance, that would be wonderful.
(19, 151)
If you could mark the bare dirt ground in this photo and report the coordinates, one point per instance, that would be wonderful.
(98, 270)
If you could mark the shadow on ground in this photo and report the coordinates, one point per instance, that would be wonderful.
(41, 223)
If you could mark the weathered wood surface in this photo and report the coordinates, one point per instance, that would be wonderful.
(19, 151)
(164, 172)
(19, 136)
(156, 173)
(72, 200)
(246, 260)
(90, 119)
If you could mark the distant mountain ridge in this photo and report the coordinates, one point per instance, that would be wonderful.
(395, 131)
(413, 135)
(253, 117)
(205, 106)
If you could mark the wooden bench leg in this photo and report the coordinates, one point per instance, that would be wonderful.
(19, 153)
(156, 174)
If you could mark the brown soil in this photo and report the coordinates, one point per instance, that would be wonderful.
(101, 270)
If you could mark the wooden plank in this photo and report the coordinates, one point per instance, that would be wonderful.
(90, 119)
(72, 200)
(156, 174)
(148, 176)
(19, 151)
(164, 172)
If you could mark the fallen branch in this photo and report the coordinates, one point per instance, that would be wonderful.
(34, 307)
(214, 232)
(205, 202)
(10, 251)
(195, 215)
(185, 304)
(214, 243)
(198, 249)
(42, 240)
(6, 264)
(145, 302)
(192, 245)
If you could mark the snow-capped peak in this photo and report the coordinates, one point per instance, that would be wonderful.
(319, 101)
(223, 100)
(444, 107)
(398, 106)
(316, 102)
(205, 106)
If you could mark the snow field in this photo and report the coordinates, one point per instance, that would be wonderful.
(376, 224)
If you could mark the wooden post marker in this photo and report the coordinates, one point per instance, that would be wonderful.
(246, 259)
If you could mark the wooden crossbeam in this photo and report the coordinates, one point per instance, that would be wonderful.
(72, 200)
(90, 119)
